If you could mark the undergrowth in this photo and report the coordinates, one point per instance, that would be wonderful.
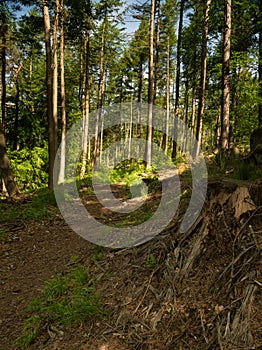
(66, 300)
(30, 168)
(233, 165)
(36, 208)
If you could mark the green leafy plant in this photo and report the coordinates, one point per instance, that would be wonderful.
(30, 168)
(127, 171)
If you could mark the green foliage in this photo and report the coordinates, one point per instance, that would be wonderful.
(127, 171)
(67, 299)
(30, 168)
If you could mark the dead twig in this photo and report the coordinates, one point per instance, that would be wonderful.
(147, 288)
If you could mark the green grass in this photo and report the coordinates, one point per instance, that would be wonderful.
(151, 262)
(66, 300)
(36, 209)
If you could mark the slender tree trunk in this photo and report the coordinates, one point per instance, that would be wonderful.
(186, 101)
(165, 140)
(31, 82)
(184, 141)
(85, 114)
(17, 97)
(100, 96)
(235, 103)
(85, 107)
(55, 66)
(52, 123)
(225, 108)
(157, 49)
(101, 139)
(139, 97)
(193, 116)
(3, 75)
(260, 67)
(148, 155)
(5, 171)
(86, 102)
(130, 131)
(63, 98)
(179, 39)
(201, 104)
(195, 74)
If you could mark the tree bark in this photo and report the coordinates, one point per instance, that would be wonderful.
(17, 98)
(85, 107)
(157, 50)
(55, 65)
(260, 66)
(148, 155)
(3, 75)
(5, 170)
(52, 123)
(63, 98)
(139, 97)
(101, 90)
(179, 39)
(165, 137)
(201, 104)
(225, 108)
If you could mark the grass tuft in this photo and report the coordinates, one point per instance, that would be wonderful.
(66, 300)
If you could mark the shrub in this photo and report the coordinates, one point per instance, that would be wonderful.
(30, 168)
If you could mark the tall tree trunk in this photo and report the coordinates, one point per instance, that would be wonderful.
(179, 39)
(101, 138)
(17, 97)
(5, 171)
(130, 130)
(235, 104)
(148, 155)
(185, 113)
(55, 64)
(260, 66)
(225, 108)
(52, 123)
(100, 95)
(139, 97)
(202, 90)
(63, 97)
(85, 107)
(165, 139)
(31, 83)
(157, 49)
(193, 116)
(186, 98)
(3, 64)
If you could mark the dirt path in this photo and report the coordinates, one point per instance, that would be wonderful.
(197, 290)
(30, 255)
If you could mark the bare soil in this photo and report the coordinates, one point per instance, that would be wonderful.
(203, 291)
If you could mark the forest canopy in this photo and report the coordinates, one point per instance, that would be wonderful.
(62, 60)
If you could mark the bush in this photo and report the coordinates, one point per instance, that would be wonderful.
(30, 168)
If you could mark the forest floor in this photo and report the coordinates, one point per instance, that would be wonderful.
(198, 290)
